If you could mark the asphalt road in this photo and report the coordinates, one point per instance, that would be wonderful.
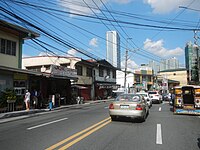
(89, 127)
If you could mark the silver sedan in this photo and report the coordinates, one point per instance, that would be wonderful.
(129, 105)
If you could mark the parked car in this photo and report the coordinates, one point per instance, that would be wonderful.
(129, 105)
(146, 97)
(155, 96)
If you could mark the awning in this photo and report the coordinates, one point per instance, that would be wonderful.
(79, 87)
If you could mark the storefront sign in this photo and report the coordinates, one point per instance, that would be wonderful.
(108, 86)
(20, 76)
(63, 71)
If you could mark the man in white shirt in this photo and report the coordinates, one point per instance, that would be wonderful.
(27, 99)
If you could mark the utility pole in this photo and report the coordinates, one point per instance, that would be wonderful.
(197, 51)
(126, 61)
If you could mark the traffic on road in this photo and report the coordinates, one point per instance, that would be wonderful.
(89, 126)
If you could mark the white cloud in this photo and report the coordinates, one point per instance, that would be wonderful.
(81, 7)
(71, 53)
(131, 65)
(94, 42)
(24, 55)
(45, 54)
(157, 48)
(166, 6)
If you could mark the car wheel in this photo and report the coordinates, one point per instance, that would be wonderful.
(113, 118)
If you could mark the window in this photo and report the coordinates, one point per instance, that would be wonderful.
(89, 72)
(3, 46)
(100, 72)
(8, 47)
(114, 74)
(108, 72)
(79, 70)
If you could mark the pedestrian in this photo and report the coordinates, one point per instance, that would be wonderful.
(27, 99)
(35, 99)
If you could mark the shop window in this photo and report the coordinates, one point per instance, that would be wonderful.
(8, 47)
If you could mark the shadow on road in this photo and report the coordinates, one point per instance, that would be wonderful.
(126, 119)
(198, 142)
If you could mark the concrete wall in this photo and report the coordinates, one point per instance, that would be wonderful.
(9, 60)
(180, 76)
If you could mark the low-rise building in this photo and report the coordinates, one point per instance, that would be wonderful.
(173, 77)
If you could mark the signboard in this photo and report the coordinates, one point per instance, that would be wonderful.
(63, 71)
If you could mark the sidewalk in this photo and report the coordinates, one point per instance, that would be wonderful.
(15, 115)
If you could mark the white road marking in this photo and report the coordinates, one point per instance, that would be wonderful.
(106, 107)
(158, 134)
(160, 108)
(44, 124)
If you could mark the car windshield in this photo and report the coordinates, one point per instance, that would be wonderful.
(128, 97)
(152, 92)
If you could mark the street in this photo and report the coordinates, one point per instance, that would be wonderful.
(88, 127)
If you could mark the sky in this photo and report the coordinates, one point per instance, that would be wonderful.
(149, 29)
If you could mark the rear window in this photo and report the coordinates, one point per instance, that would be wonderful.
(131, 98)
(152, 92)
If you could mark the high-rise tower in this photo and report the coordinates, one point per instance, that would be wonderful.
(113, 49)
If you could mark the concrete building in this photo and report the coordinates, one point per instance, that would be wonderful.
(12, 77)
(174, 77)
(11, 39)
(155, 66)
(113, 49)
(58, 72)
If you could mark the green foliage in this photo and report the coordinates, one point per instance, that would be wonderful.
(7, 94)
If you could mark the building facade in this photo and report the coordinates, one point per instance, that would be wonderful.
(174, 77)
(58, 72)
(113, 49)
(12, 77)
(143, 78)
(192, 63)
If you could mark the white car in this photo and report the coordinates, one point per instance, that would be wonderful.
(155, 97)
(146, 97)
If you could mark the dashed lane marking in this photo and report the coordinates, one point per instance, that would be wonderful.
(158, 134)
(160, 109)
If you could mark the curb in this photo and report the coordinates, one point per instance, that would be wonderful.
(16, 114)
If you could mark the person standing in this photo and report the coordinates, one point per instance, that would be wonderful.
(27, 99)
(35, 99)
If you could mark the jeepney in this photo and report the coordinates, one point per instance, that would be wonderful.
(187, 100)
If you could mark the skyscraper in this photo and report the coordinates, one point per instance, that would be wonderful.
(191, 61)
(171, 63)
(113, 49)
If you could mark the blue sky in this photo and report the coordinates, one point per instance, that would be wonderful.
(166, 37)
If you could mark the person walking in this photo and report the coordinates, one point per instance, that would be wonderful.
(27, 99)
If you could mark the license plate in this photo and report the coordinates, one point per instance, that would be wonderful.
(124, 106)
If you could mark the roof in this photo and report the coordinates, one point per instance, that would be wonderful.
(25, 33)
(17, 70)
(172, 70)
